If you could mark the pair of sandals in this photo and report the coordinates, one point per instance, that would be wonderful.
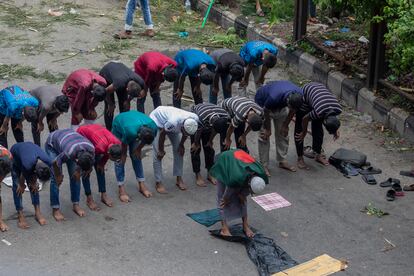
(367, 175)
(395, 190)
(408, 188)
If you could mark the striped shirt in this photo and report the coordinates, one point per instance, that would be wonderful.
(67, 143)
(207, 111)
(238, 107)
(318, 101)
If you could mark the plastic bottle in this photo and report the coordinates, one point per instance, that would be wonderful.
(188, 6)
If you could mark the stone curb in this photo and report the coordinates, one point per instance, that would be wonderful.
(351, 91)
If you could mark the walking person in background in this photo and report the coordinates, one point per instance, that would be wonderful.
(52, 103)
(130, 8)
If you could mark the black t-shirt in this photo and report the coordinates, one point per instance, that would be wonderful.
(226, 60)
(119, 75)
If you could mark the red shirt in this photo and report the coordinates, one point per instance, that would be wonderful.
(101, 138)
(78, 87)
(151, 65)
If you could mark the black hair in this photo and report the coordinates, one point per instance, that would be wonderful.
(295, 100)
(236, 72)
(255, 122)
(5, 166)
(206, 76)
(170, 74)
(85, 160)
(115, 151)
(99, 92)
(332, 124)
(220, 124)
(270, 60)
(146, 135)
(42, 171)
(62, 103)
(134, 89)
(30, 114)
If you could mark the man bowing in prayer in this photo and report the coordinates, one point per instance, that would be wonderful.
(237, 175)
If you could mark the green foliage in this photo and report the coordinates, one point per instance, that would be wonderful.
(280, 9)
(229, 40)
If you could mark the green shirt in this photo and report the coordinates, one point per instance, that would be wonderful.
(127, 124)
(233, 168)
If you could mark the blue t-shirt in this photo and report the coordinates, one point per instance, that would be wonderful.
(25, 156)
(274, 94)
(189, 62)
(13, 99)
(252, 51)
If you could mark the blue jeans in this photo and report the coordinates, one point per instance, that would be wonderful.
(156, 101)
(54, 189)
(225, 79)
(136, 165)
(130, 11)
(18, 199)
(100, 177)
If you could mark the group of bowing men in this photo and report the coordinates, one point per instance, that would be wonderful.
(90, 145)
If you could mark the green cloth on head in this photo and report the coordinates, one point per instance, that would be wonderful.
(233, 167)
(126, 125)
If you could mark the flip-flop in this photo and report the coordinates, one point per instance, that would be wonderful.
(398, 190)
(370, 170)
(407, 173)
(389, 182)
(369, 179)
(409, 188)
(288, 168)
(390, 196)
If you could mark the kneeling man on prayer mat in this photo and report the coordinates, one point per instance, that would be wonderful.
(237, 175)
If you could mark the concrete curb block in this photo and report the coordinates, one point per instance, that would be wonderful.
(349, 90)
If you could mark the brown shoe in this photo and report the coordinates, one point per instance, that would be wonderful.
(123, 35)
(149, 33)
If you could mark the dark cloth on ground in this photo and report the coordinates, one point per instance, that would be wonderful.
(206, 218)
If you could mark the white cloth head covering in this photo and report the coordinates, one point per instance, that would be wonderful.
(190, 126)
(257, 184)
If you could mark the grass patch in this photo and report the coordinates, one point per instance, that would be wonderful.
(115, 47)
(17, 71)
(30, 49)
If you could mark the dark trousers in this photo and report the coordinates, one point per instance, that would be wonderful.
(17, 133)
(122, 97)
(195, 88)
(238, 131)
(36, 134)
(156, 101)
(208, 153)
(317, 134)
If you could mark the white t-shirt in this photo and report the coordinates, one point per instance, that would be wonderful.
(171, 118)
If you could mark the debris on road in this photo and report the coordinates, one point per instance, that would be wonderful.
(284, 234)
(388, 246)
(54, 12)
(371, 211)
(6, 242)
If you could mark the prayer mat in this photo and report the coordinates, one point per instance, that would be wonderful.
(206, 218)
(271, 201)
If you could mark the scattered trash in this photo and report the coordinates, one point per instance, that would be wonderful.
(33, 30)
(389, 246)
(215, 252)
(329, 43)
(322, 265)
(345, 30)
(363, 39)
(335, 19)
(73, 11)
(284, 234)
(6, 242)
(371, 211)
(175, 18)
(108, 218)
(362, 76)
(54, 12)
(183, 34)
(366, 118)
(351, 18)
(329, 20)
(188, 7)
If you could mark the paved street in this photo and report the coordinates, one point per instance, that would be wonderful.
(154, 237)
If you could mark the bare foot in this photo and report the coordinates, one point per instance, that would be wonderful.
(321, 159)
(225, 232)
(285, 165)
(3, 226)
(57, 214)
(180, 184)
(40, 219)
(200, 181)
(160, 188)
(302, 165)
(123, 196)
(106, 200)
(212, 180)
(249, 233)
(91, 203)
(78, 210)
(144, 190)
(267, 172)
(21, 221)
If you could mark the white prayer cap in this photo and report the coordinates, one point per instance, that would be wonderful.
(190, 126)
(257, 184)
